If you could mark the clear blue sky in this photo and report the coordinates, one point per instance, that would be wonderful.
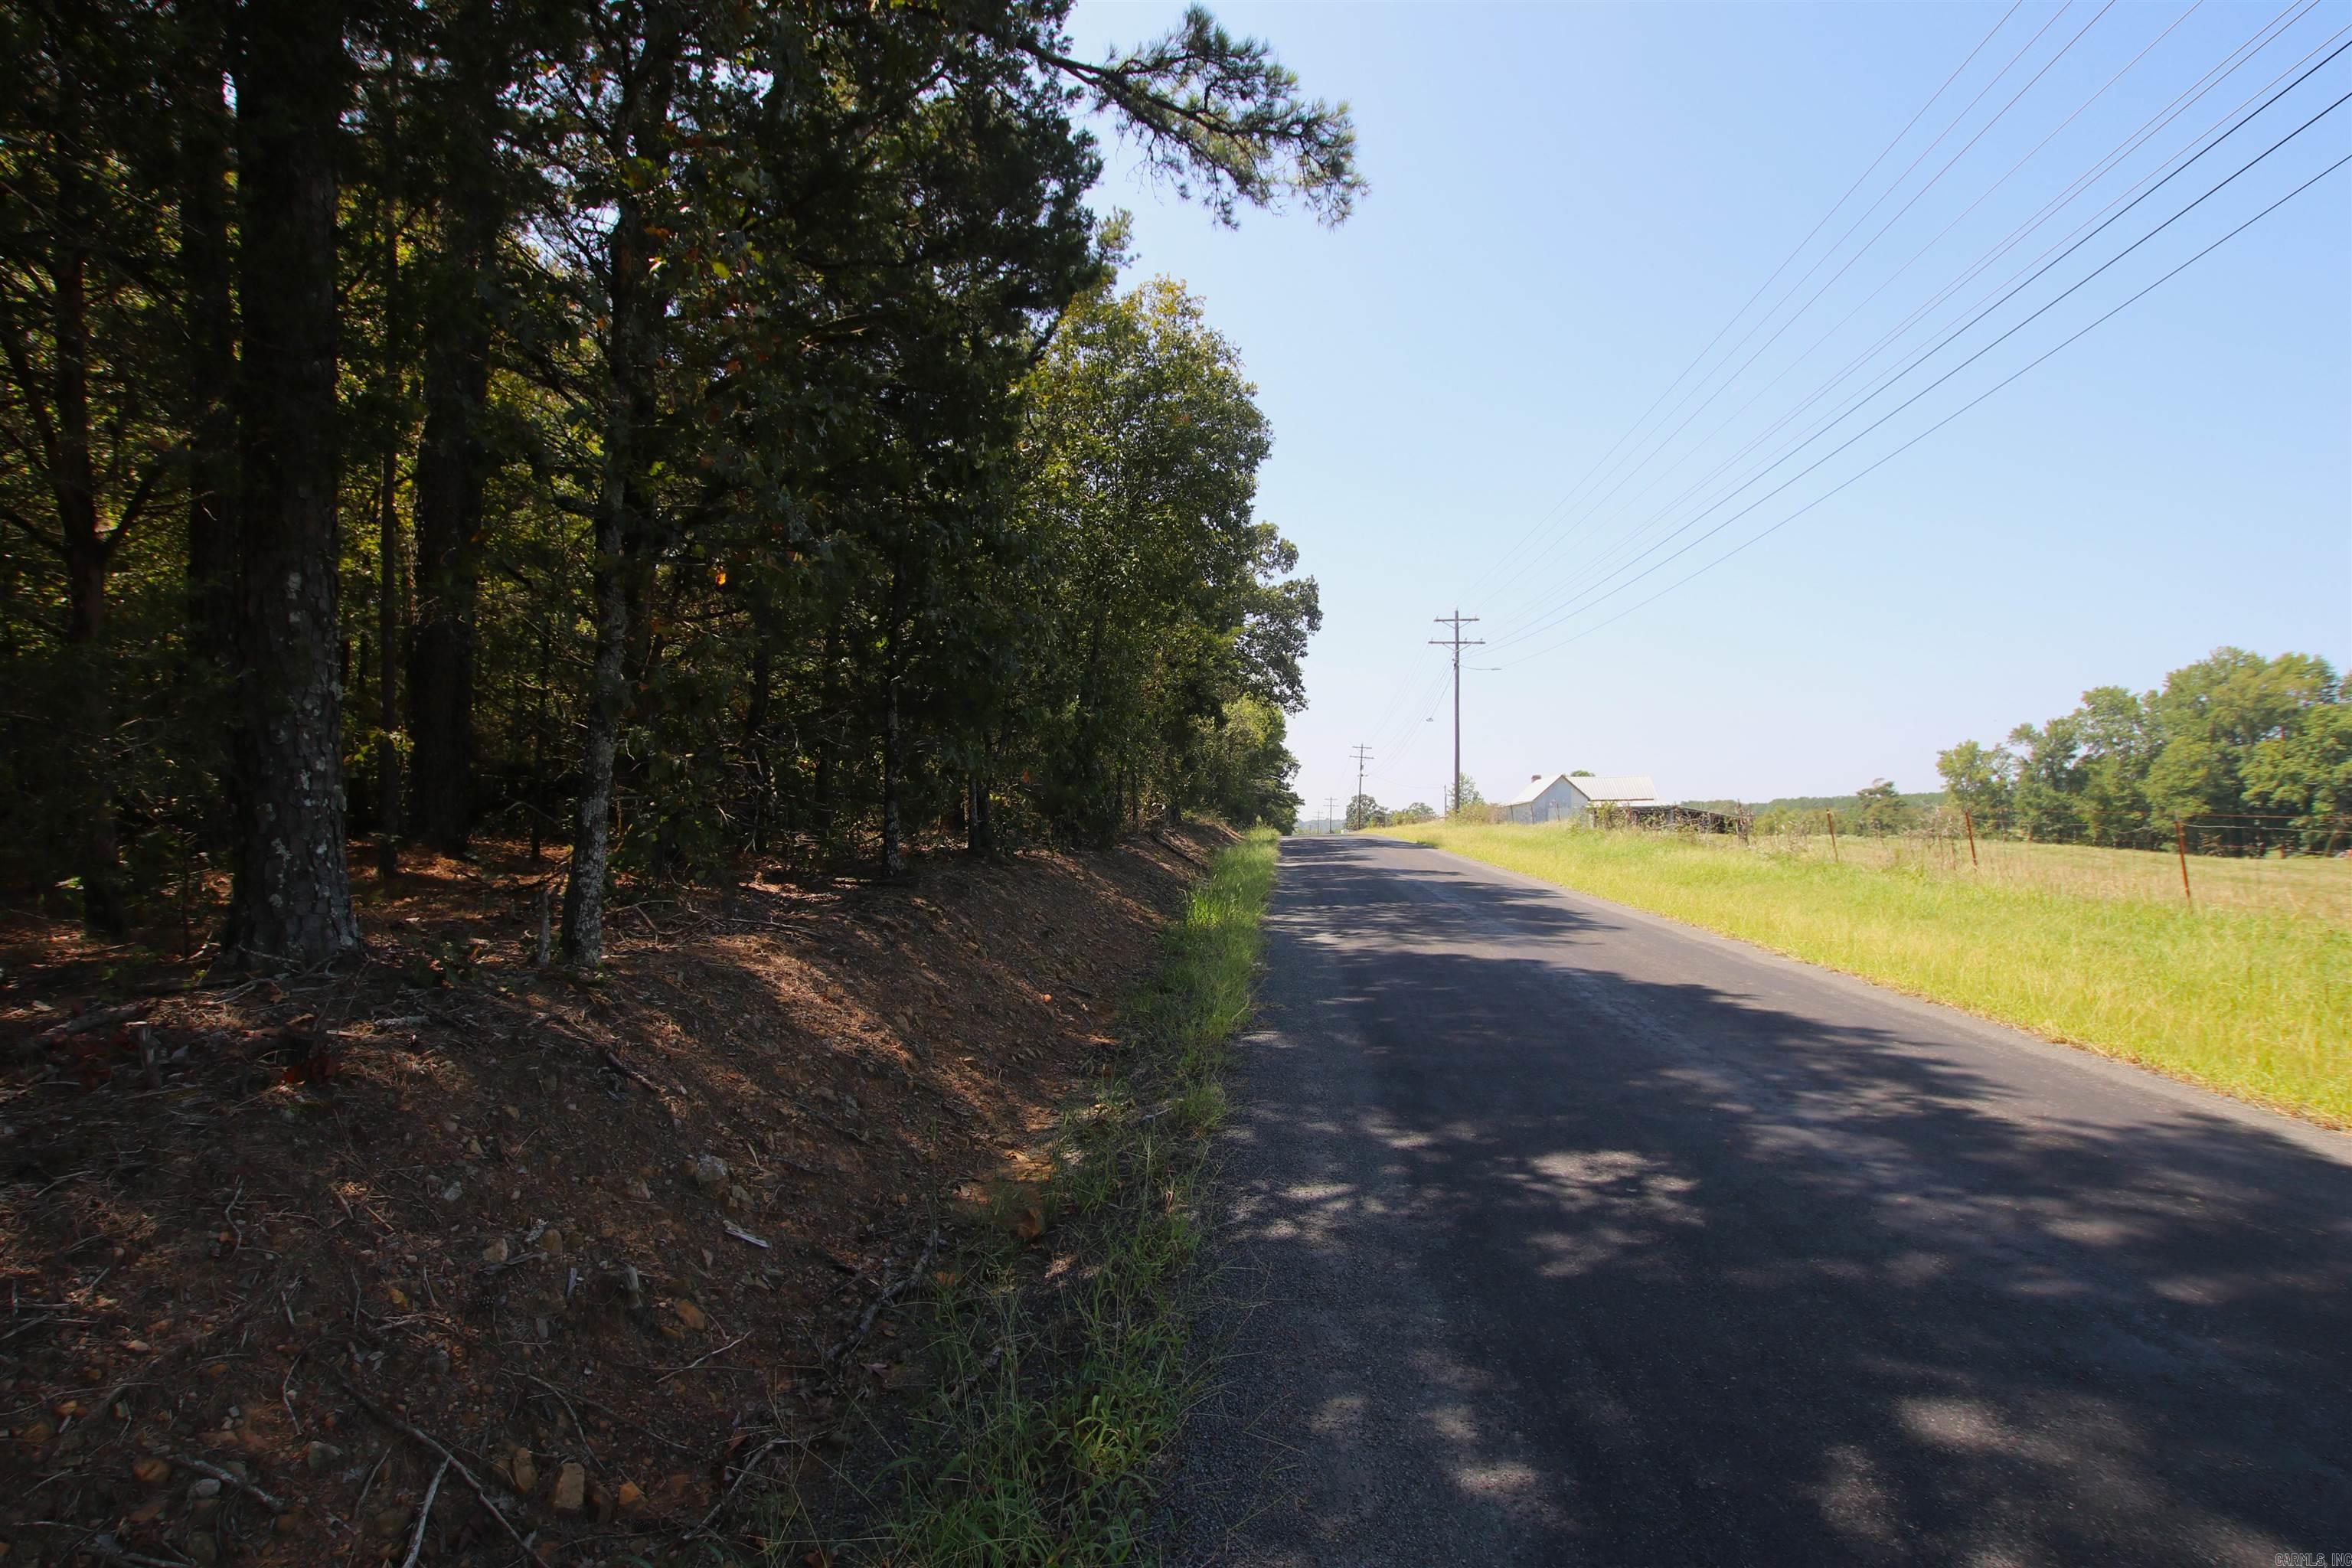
(1568, 202)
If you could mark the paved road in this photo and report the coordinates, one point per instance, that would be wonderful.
(1555, 1233)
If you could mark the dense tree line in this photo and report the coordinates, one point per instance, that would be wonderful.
(684, 428)
(2255, 752)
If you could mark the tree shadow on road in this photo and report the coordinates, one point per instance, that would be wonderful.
(1557, 1259)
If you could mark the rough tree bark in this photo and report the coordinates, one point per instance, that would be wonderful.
(89, 546)
(637, 305)
(980, 811)
(390, 601)
(291, 901)
(211, 366)
(894, 756)
(451, 463)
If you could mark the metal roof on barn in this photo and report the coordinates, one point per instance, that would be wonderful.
(1619, 789)
(1536, 787)
(1616, 789)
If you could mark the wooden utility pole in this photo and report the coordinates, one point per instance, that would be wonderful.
(1363, 755)
(1457, 642)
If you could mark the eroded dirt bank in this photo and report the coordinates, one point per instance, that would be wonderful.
(271, 1251)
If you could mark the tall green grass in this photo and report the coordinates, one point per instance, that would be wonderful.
(2253, 1003)
(1056, 1395)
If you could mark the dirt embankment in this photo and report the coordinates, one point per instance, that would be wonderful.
(272, 1251)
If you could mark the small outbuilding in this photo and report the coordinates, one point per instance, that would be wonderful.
(1572, 797)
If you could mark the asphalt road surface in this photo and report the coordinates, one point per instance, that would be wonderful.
(1551, 1232)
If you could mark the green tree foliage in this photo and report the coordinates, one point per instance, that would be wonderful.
(1364, 812)
(679, 428)
(2256, 752)
(1163, 599)
(1469, 805)
(1880, 808)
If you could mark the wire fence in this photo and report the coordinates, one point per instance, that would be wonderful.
(2295, 863)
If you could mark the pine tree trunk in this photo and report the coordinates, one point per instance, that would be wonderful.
(211, 315)
(592, 836)
(894, 850)
(291, 901)
(755, 734)
(73, 483)
(980, 825)
(388, 619)
(452, 464)
(826, 740)
(441, 644)
(391, 601)
(630, 403)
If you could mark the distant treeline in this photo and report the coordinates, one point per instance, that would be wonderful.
(2250, 753)
(1862, 811)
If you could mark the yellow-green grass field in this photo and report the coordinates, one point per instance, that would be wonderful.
(2248, 991)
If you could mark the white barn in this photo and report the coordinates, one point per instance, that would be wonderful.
(1562, 797)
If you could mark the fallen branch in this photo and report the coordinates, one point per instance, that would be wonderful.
(579, 1427)
(421, 1435)
(104, 1017)
(229, 1478)
(698, 1361)
(889, 1294)
(112, 1550)
(743, 1473)
(626, 1071)
(971, 1379)
(424, 1514)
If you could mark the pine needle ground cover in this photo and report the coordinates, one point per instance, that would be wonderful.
(1061, 1332)
(2253, 1002)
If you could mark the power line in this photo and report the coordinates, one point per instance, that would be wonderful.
(1593, 506)
(1834, 208)
(1931, 429)
(1457, 620)
(1381, 728)
(1553, 617)
(1884, 283)
(2131, 144)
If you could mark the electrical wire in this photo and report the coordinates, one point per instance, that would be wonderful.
(1553, 617)
(1527, 611)
(1947, 419)
(1821, 261)
(1500, 563)
(1884, 283)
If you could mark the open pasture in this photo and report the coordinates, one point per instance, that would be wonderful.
(2248, 990)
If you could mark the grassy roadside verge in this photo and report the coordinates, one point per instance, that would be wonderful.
(2250, 1003)
(1062, 1364)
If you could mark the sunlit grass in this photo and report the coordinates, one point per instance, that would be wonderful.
(1054, 1403)
(2248, 991)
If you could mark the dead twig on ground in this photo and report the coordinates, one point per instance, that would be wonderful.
(579, 1427)
(706, 1355)
(229, 1478)
(889, 1294)
(93, 1021)
(743, 1473)
(424, 1514)
(626, 1071)
(426, 1439)
(109, 1550)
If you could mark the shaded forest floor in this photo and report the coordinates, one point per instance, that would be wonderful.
(272, 1250)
